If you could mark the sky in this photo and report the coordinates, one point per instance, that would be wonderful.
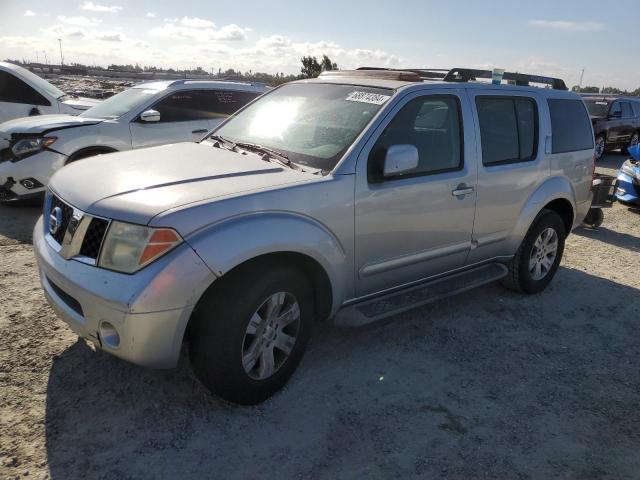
(556, 38)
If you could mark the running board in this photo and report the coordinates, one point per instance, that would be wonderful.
(393, 303)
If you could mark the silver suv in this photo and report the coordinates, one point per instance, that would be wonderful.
(349, 197)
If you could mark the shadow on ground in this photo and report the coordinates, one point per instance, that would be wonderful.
(485, 384)
(612, 237)
(17, 222)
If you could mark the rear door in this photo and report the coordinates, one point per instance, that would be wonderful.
(18, 99)
(184, 117)
(412, 226)
(512, 165)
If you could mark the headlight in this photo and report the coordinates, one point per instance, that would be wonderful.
(127, 247)
(28, 146)
(628, 169)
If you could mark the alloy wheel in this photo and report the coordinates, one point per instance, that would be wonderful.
(270, 335)
(599, 147)
(543, 254)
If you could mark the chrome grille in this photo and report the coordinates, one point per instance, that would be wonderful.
(78, 235)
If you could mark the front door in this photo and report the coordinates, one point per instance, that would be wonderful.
(418, 224)
(182, 119)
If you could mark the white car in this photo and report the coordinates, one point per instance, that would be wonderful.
(24, 94)
(32, 149)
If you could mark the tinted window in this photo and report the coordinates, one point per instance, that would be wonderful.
(636, 109)
(616, 109)
(201, 104)
(14, 90)
(508, 129)
(597, 108)
(626, 110)
(570, 126)
(432, 124)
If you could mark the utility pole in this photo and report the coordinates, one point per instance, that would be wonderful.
(61, 57)
(581, 78)
(45, 57)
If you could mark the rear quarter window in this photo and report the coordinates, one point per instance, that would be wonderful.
(570, 126)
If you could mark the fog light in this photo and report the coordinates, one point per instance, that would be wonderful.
(109, 335)
(30, 183)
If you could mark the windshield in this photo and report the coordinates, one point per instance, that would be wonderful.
(597, 108)
(313, 124)
(120, 104)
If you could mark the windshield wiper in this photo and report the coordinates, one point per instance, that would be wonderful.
(224, 141)
(266, 150)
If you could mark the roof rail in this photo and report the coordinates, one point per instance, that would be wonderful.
(522, 79)
(471, 74)
(183, 81)
(380, 73)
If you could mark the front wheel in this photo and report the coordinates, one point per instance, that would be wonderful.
(250, 331)
(536, 261)
(600, 146)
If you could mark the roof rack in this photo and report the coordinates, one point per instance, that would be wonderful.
(471, 74)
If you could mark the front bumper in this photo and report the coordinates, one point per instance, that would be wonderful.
(39, 167)
(628, 189)
(150, 309)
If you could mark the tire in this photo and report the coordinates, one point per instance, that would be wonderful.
(635, 139)
(520, 277)
(220, 337)
(594, 218)
(601, 145)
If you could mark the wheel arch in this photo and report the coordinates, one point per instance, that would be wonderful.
(555, 194)
(88, 152)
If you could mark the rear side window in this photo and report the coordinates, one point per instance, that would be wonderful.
(508, 129)
(636, 109)
(14, 90)
(570, 126)
(626, 110)
(191, 105)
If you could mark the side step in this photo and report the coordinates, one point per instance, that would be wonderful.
(393, 303)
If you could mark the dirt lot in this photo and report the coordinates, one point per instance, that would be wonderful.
(489, 384)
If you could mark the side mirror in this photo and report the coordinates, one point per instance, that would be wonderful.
(150, 116)
(400, 159)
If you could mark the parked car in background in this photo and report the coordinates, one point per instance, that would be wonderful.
(146, 115)
(350, 197)
(616, 121)
(24, 94)
(628, 180)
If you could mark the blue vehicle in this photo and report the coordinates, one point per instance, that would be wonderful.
(628, 190)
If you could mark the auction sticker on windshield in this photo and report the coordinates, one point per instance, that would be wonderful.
(367, 97)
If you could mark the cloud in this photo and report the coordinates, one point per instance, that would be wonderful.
(196, 22)
(79, 21)
(567, 26)
(94, 7)
(29, 13)
(232, 32)
(151, 15)
(110, 37)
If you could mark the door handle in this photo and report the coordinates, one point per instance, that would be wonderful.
(462, 190)
(201, 130)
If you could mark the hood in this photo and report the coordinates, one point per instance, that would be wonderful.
(137, 185)
(39, 124)
(81, 103)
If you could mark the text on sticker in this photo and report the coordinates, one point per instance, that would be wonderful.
(366, 97)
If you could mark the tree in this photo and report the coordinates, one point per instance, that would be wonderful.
(576, 88)
(328, 65)
(310, 67)
(611, 90)
(636, 92)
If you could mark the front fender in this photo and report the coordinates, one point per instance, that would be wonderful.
(552, 189)
(226, 244)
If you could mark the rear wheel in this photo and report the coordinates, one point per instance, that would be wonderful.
(536, 261)
(600, 146)
(250, 332)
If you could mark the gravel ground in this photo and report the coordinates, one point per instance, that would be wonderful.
(488, 384)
